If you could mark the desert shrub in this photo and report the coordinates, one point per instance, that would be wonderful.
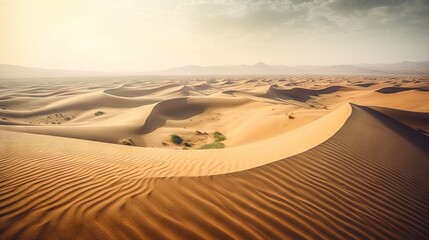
(127, 141)
(186, 144)
(98, 113)
(213, 145)
(201, 133)
(176, 139)
(219, 137)
(291, 117)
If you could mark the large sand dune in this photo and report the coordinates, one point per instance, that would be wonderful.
(314, 157)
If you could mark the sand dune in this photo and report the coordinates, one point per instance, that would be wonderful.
(303, 94)
(416, 120)
(314, 194)
(397, 89)
(181, 163)
(170, 90)
(305, 157)
(411, 100)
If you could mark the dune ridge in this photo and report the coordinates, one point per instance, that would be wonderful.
(314, 194)
(168, 163)
(301, 157)
(303, 94)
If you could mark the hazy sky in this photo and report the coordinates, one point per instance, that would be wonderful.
(142, 35)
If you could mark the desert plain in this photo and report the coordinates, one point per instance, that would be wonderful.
(215, 157)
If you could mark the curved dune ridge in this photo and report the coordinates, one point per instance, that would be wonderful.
(172, 90)
(304, 94)
(417, 120)
(369, 192)
(388, 90)
(135, 117)
(169, 163)
(304, 157)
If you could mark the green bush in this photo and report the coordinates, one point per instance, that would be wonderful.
(127, 141)
(176, 139)
(201, 133)
(219, 137)
(213, 145)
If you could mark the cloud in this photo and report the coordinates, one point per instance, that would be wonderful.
(362, 5)
(248, 17)
(155, 34)
(241, 16)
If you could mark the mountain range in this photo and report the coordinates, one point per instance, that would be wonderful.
(403, 68)
(260, 68)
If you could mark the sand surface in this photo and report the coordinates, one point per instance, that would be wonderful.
(331, 157)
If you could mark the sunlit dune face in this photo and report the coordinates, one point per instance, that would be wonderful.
(215, 157)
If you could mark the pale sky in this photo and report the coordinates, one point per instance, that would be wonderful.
(144, 35)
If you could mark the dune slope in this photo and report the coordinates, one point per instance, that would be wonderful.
(416, 120)
(356, 185)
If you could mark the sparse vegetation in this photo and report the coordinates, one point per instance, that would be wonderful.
(99, 113)
(198, 140)
(176, 139)
(291, 116)
(219, 137)
(213, 145)
(127, 141)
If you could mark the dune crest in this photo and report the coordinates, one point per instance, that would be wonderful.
(313, 194)
(289, 157)
(191, 162)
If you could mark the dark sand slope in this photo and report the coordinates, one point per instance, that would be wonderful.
(369, 181)
(416, 120)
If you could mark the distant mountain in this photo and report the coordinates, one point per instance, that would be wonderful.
(337, 69)
(404, 68)
(260, 68)
(14, 71)
(400, 68)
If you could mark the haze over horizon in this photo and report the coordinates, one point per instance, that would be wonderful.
(131, 35)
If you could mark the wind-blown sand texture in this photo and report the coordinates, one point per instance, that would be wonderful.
(312, 157)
